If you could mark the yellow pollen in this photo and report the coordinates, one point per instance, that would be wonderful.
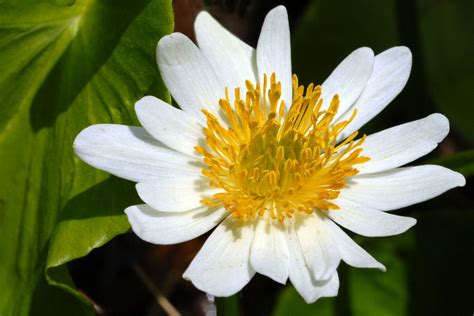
(267, 160)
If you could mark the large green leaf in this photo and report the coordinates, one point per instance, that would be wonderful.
(64, 68)
(79, 231)
(447, 37)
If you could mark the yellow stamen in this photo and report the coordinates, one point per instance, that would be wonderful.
(269, 160)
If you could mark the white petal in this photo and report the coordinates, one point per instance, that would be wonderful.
(401, 187)
(402, 144)
(352, 253)
(367, 221)
(173, 127)
(269, 254)
(222, 267)
(177, 194)
(301, 277)
(171, 228)
(348, 80)
(389, 76)
(233, 61)
(274, 51)
(188, 75)
(131, 153)
(319, 250)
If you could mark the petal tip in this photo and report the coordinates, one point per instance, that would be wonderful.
(144, 102)
(403, 50)
(277, 276)
(409, 223)
(174, 40)
(281, 9)
(278, 12)
(454, 178)
(280, 279)
(440, 120)
(131, 213)
(87, 135)
(403, 57)
(76, 144)
(202, 15)
(186, 275)
(212, 290)
(461, 180)
(128, 211)
(365, 51)
(167, 39)
(203, 18)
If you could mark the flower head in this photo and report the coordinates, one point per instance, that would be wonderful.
(276, 166)
(268, 160)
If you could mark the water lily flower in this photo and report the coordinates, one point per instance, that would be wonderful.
(276, 168)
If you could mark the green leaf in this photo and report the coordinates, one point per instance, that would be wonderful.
(462, 162)
(79, 231)
(447, 38)
(63, 69)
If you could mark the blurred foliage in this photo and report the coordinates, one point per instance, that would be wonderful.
(63, 69)
(440, 271)
(291, 303)
(378, 293)
(330, 30)
(447, 39)
(228, 306)
(462, 162)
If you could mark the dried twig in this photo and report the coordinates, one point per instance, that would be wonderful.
(159, 297)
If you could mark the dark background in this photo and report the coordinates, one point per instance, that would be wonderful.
(430, 268)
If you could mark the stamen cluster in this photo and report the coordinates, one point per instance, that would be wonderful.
(269, 160)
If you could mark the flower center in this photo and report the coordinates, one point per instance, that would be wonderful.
(270, 160)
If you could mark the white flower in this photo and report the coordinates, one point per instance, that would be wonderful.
(275, 169)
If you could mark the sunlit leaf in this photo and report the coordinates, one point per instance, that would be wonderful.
(64, 68)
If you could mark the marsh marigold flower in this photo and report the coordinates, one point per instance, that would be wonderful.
(276, 166)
